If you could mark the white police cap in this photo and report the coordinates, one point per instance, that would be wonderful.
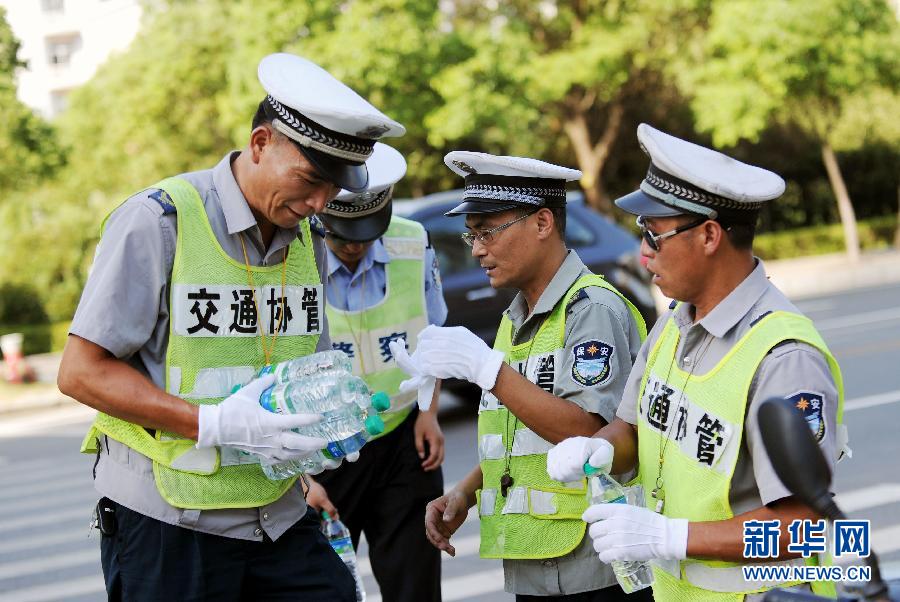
(498, 183)
(364, 216)
(689, 178)
(334, 127)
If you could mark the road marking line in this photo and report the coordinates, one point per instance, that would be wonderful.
(871, 401)
(47, 519)
(44, 487)
(31, 423)
(56, 591)
(53, 538)
(870, 317)
(869, 497)
(465, 546)
(42, 564)
(67, 497)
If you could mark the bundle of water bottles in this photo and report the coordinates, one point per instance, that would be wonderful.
(323, 383)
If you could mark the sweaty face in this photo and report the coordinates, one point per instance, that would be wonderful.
(674, 265)
(504, 259)
(291, 188)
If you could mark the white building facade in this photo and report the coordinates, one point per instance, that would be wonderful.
(64, 41)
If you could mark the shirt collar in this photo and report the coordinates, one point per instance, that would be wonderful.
(569, 271)
(733, 307)
(376, 253)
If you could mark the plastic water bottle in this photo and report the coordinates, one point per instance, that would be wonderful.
(339, 537)
(603, 489)
(348, 411)
(323, 362)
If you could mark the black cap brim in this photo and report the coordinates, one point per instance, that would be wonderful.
(468, 207)
(641, 203)
(360, 229)
(348, 176)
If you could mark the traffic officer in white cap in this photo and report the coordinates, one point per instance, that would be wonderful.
(383, 285)
(688, 415)
(562, 353)
(199, 281)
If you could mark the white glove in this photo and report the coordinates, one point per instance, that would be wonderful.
(421, 383)
(457, 352)
(240, 422)
(565, 461)
(625, 532)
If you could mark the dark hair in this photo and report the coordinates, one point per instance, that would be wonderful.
(741, 235)
(559, 218)
(260, 117)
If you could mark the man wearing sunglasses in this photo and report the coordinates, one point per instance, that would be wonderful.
(562, 353)
(383, 285)
(688, 415)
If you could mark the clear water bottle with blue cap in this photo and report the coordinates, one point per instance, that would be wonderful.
(322, 384)
(603, 489)
(339, 537)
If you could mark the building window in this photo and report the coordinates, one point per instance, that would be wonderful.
(52, 6)
(61, 48)
(59, 100)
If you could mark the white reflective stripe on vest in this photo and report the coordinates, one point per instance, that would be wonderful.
(728, 579)
(488, 499)
(516, 501)
(527, 443)
(404, 248)
(214, 310)
(219, 382)
(490, 447)
(542, 502)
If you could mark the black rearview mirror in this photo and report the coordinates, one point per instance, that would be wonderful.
(796, 458)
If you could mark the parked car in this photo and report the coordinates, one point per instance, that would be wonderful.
(605, 248)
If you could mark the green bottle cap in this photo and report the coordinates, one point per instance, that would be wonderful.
(325, 515)
(589, 469)
(381, 401)
(374, 424)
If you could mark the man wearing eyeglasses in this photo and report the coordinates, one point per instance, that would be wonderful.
(688, 414)
(383, 285)
(562, 353)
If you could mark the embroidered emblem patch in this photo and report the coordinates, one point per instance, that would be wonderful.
(165, 201)
(809, 404)
(591, 366)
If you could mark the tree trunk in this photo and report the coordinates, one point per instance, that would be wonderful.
(592, 156)
(845, 205)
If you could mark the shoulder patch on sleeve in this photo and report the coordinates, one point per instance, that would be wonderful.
(165, 201)
(316, 226)
(436, 272)
(758, 318)
(809, 404)
(592, 362)
(581, 294)
(673, 304)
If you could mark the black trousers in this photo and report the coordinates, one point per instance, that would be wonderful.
(148, 560)
(383, 495)
(607, 594)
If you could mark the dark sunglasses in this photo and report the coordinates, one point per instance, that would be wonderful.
(653, 239)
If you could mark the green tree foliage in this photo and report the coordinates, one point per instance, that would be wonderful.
(28, 148)
(811, 64)
(557, 79)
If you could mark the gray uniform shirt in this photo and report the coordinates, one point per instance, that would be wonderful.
(598, 317)
(125, 309)
(791, 370)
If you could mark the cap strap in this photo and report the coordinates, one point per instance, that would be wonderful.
(360, 205)
(540, 192)
(302, 131)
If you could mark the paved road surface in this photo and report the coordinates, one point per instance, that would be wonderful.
(46, 496)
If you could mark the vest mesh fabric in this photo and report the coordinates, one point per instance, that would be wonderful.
(200, 260)
(402, 309)
(694, 490)
(532, 534)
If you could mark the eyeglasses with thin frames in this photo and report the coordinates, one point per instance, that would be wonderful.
(486, 236)
(653, 239)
